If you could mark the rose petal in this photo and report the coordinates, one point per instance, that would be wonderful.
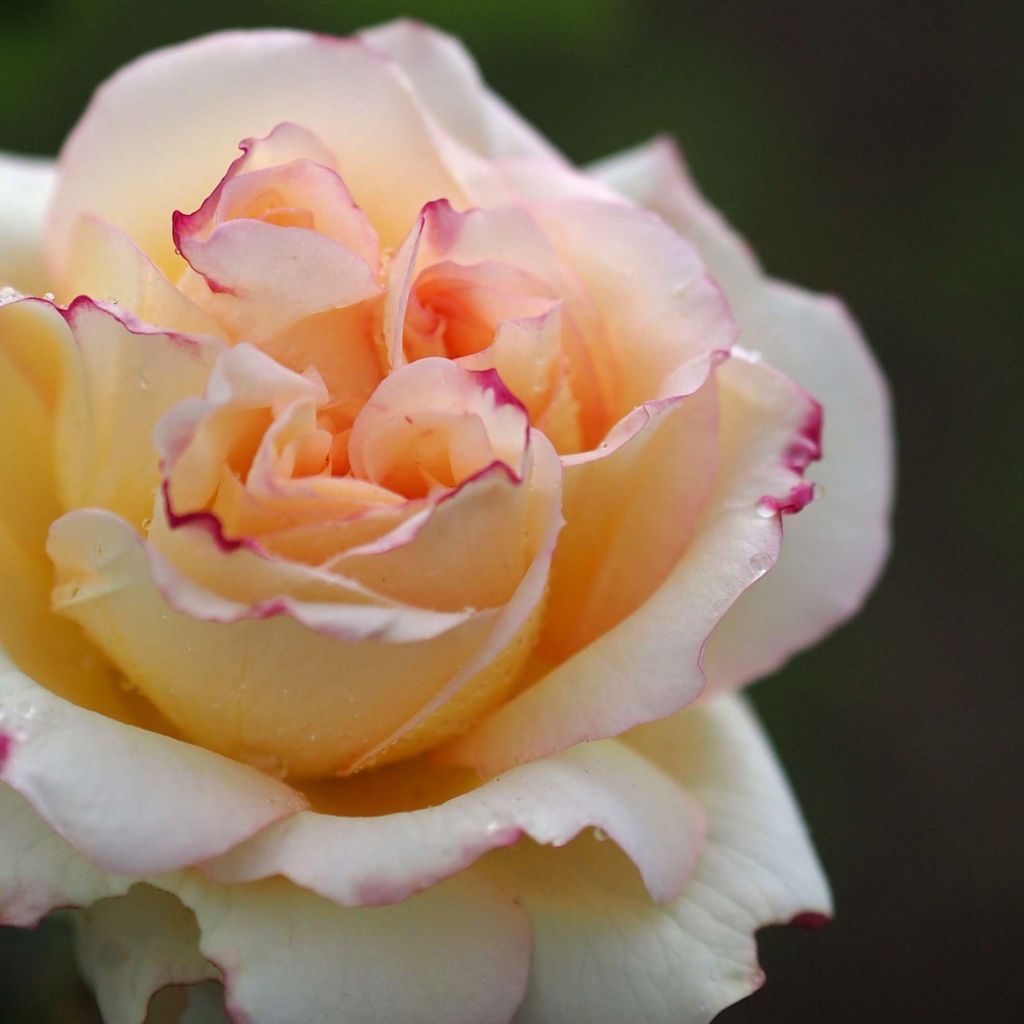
(26, 185)
(40, 871)
(604, 953)
(833, 554)
(132, 375)
(658, 306)
(173, 119)
(446, 80)
(648, 666)
(460, 952)
(106, 264)
(40, 367)
(69, 763)
(132, 945)
(356, 861)
(650, 478)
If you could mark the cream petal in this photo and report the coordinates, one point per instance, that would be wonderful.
(225, 670)
(446, 80)
(832, 555)
(459, 952)
(132, 375)
(40, 871)
(129, 800)
(649, 664)
(26, 185)
(381, 860)
(658, 306)
(131, 946)
(106, 264)
(40, 368)
(173, 120)
(264, 278)
(650, 478)
(604, 953)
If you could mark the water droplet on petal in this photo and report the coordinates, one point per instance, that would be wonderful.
(600, 835)
(766, 508)
(761, 563)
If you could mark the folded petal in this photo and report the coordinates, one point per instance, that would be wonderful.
(104, 263)
(130, 946)
(649, 664)
(131, 376)
(832, 555)
(39, 870)
(70, 764)
(174, 119)
(604, 953)
(459, 952)
(379, 860)
(40, 368)
(26, 185)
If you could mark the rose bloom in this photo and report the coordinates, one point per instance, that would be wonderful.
(390, 513)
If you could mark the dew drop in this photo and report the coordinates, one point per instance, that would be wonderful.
(766, 508)
(600, 835)
(761, 563)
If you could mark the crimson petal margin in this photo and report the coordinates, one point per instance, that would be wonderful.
(649, 665)
(835, 553)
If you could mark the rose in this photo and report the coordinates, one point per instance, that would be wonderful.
(405, 456)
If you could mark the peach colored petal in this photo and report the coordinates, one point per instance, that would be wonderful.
(105, 263)
(224, 670)
(648, 665)
(174, 118)
(70, 764)
(654, 298)
(833, 554)
(40, 368)
(447, 82)
(650, 478)
(132, 375)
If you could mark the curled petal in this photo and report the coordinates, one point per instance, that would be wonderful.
(69, 764)
(357, 861)
(649, 664)
(174, 118)
(833, 554)
(682, 962)
(132, 945)
(40, 871)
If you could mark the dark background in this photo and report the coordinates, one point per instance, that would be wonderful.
(870, 149)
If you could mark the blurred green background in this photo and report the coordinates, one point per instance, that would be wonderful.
(866, 149)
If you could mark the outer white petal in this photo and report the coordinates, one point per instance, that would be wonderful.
(130, 800)
(458, 953)
(447, 81)
(834, 552)
(40, 871)
(605, 954)
(25, 188)
(132, 945)
(379, 860)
